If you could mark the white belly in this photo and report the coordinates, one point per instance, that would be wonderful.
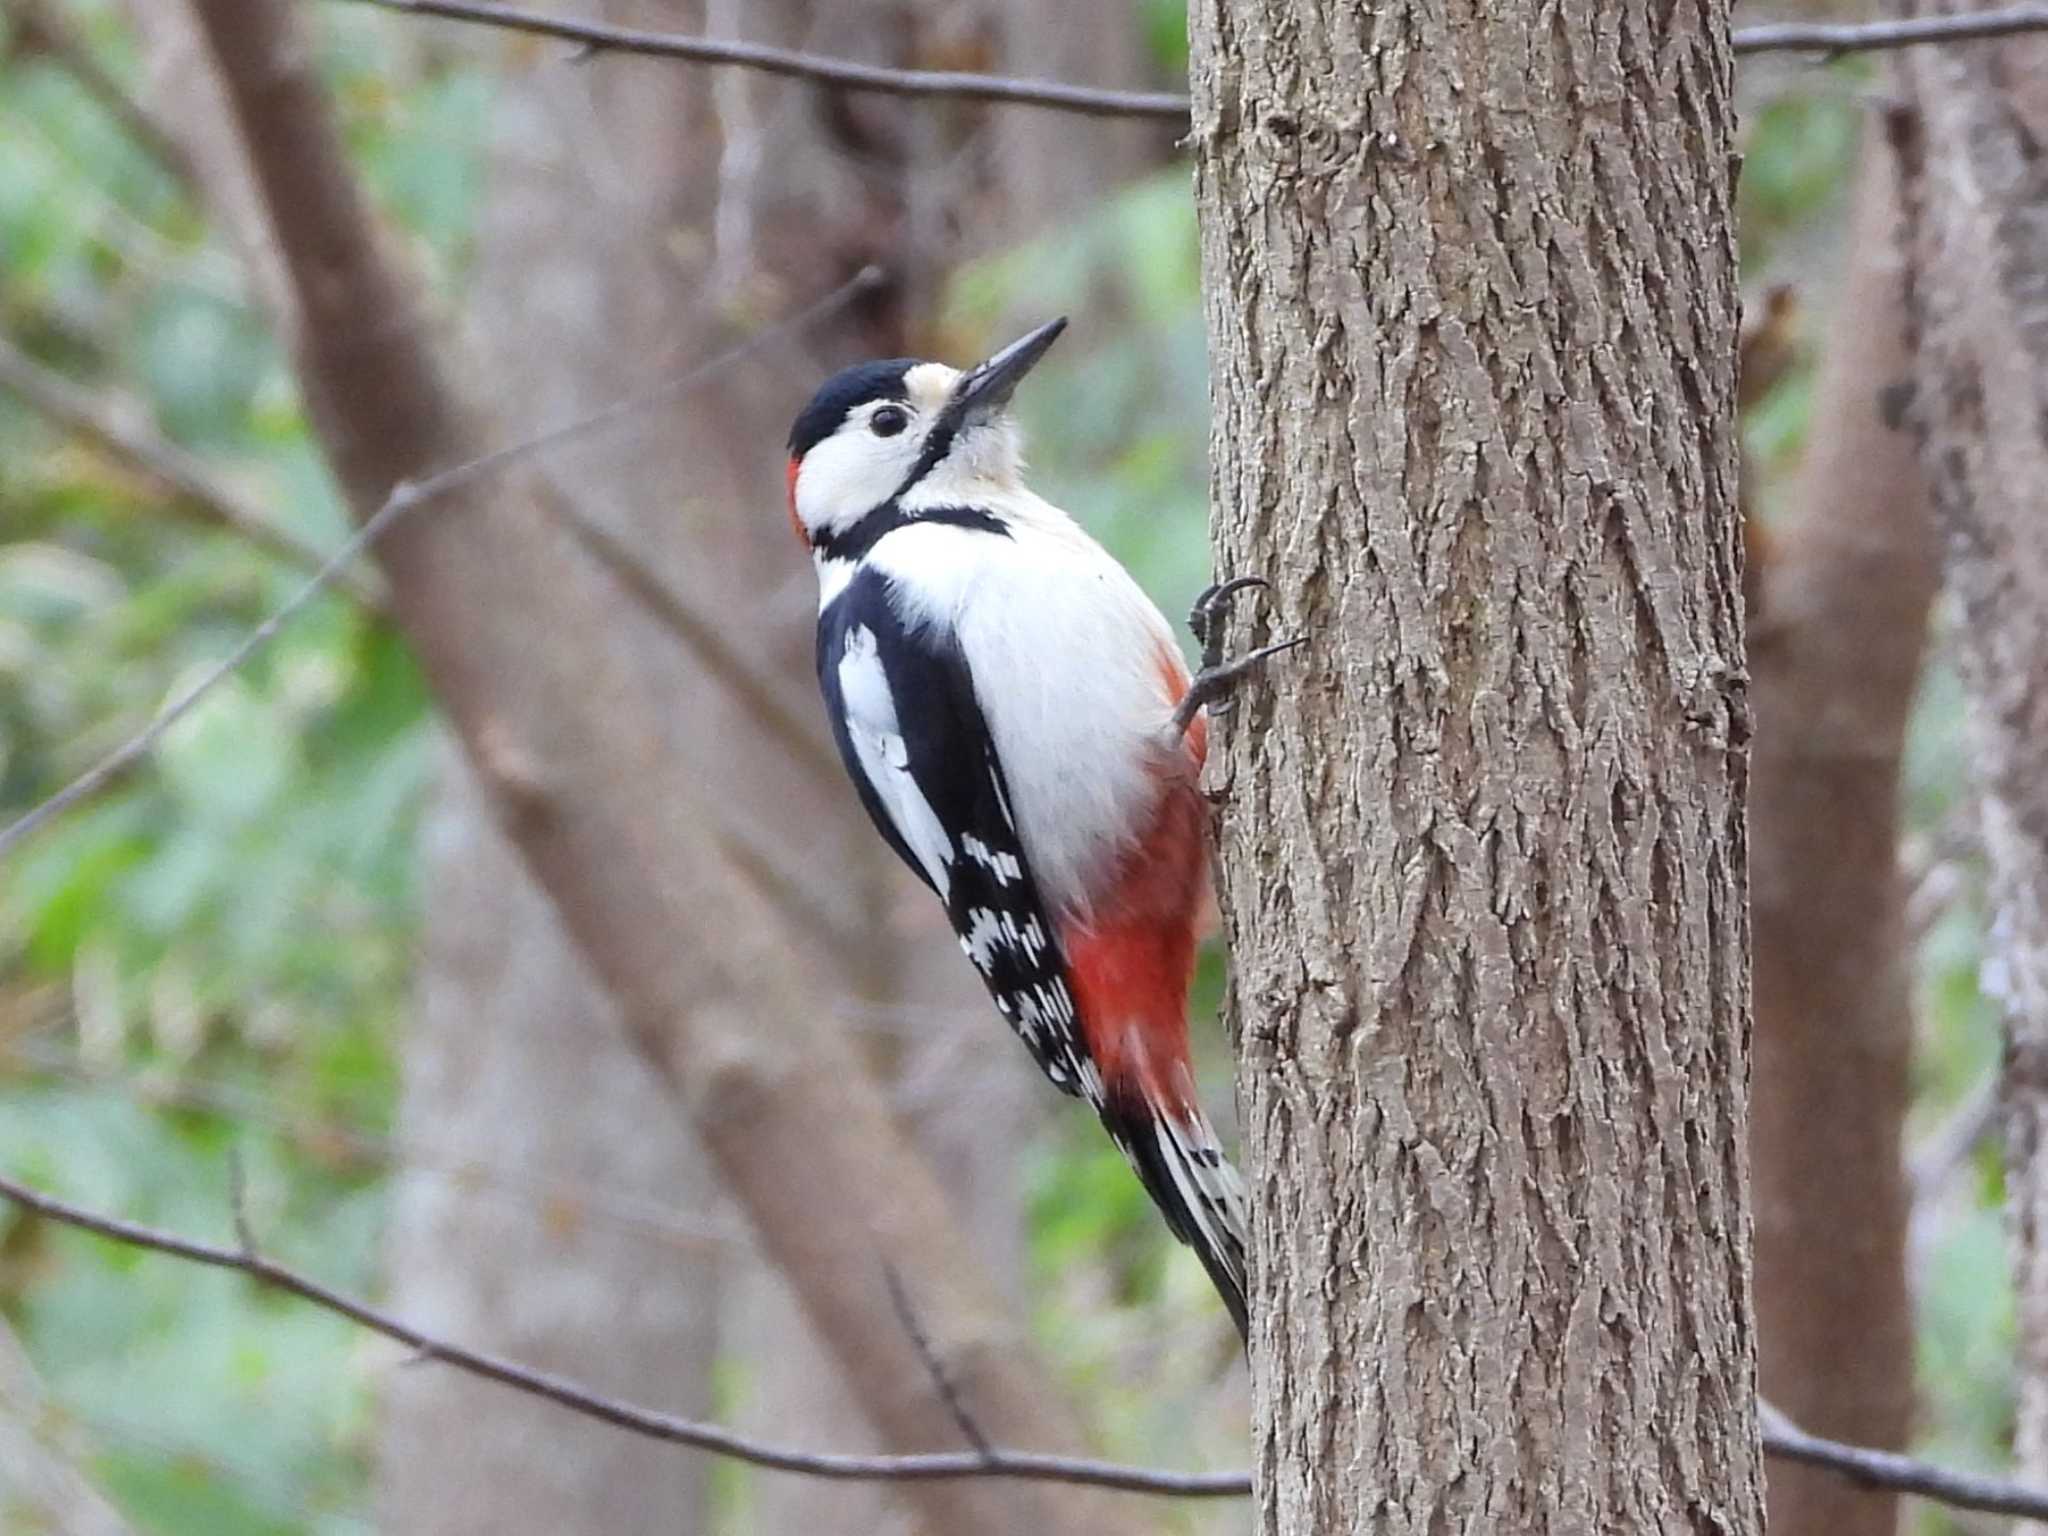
(1067, 655)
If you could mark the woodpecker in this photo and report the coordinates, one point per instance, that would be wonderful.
(1018, 722)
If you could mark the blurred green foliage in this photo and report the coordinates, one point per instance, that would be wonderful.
(213, 956)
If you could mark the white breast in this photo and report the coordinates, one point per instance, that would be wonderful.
(1066, 652)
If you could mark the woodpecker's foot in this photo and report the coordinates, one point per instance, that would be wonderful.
(1218, 679)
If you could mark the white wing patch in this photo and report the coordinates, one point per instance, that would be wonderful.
(985, 929)
(877, 738)
(1003, 866)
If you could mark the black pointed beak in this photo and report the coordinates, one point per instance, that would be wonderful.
(986, 388)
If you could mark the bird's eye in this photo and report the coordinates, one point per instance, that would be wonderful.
(888, 421)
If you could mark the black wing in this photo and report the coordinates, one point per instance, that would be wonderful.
(913, 737)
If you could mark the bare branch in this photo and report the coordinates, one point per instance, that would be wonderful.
(403, 500)
(1781, 1437)
(97, 777)
(114, 426)
(1094, 101)
(1875, 36)
(959, 85)
(937, 1467)
(1900, 1474)
(942, 1379)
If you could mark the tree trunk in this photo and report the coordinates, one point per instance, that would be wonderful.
(568, 288)
(515, 1056)
(1472, 318)
(1975, 192)
(1054, 165)
(1837, 660)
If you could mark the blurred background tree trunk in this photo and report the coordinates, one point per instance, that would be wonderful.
(1836, 651)
(620, 235)
(515, 1057)
(514, 1048)
(1483, 867)
(1975, 192)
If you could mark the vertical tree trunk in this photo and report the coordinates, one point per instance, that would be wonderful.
(1837, 660)
(1054, 165)
(571, 298)
(1975, 191)
(1472, 319)
(515, 1055)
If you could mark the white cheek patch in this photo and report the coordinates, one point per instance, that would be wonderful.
(877, 737)
(850, 474)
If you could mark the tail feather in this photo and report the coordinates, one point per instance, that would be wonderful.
(1181, 1164)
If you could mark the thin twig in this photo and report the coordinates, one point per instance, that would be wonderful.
(592, 37)
(641, 1421)
(942, 1379)
(1874, 36)
(959, 85)
(114, 426)
(1781, 1437)
(404, 499)
(238, 1204)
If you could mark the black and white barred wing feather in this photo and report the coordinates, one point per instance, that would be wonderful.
(910, 730)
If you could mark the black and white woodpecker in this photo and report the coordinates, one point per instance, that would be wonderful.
(1018, 722)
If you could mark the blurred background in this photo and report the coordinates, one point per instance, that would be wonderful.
(293, 940)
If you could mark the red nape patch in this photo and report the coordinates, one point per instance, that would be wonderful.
(795, 466)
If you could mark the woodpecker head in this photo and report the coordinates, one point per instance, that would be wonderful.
(904, 431)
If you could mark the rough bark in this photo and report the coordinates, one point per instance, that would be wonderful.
(517, 631)
(1837, 659)
(1975, 193)
(1472, 319)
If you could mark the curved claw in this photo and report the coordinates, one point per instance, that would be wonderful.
(1213, 602)
(1216, 592)
(1211, 687)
